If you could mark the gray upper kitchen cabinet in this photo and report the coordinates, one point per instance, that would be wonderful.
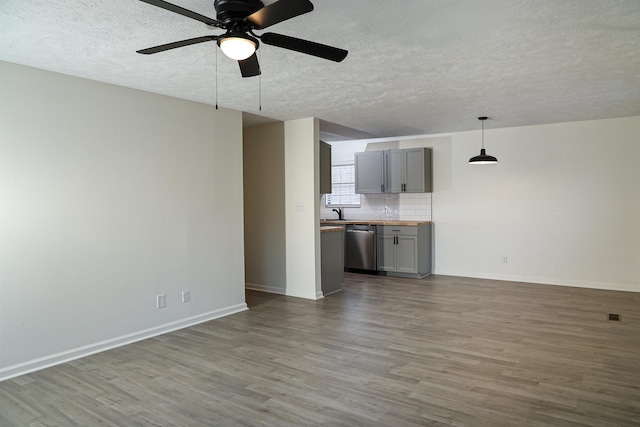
(394, 171)
(394, 168)
(325, 168)
(369, 169)
(417, 170)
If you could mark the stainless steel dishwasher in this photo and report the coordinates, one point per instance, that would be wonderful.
(360, 247)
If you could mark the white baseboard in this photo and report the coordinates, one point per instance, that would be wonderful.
(334, 292)
(312, 296)
(77, 353)
(627, 287)
(279, 291)
(267, 289)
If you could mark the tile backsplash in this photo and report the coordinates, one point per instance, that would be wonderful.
(403, 206)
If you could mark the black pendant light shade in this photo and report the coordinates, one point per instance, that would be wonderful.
(483, 158)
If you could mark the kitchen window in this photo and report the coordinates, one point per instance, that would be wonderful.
(343, 184)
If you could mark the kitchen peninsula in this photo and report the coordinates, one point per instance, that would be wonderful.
(332, 258)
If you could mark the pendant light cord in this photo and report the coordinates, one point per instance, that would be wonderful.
(482, 119)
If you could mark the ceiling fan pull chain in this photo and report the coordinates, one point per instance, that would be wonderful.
(216, 78)
(259, 88)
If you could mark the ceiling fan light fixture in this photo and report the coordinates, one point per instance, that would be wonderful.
(483, 158)
(239, 18)
(238, 46)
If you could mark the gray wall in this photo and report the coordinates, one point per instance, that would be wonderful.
(264, 208)
(108, 197)
(562, 204)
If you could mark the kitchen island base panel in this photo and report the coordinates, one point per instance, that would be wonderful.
(332, 259)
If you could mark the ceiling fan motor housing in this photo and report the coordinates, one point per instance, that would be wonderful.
(228, 11)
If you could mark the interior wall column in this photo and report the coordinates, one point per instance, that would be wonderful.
(302, 198)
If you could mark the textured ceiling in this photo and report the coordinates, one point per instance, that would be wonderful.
(414, 66)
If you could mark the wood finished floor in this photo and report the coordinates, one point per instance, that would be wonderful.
(385, 352)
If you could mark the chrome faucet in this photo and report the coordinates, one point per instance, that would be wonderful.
(339, 211)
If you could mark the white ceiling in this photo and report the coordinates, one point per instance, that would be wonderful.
(414, 66)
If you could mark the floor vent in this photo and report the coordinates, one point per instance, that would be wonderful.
(614, 317)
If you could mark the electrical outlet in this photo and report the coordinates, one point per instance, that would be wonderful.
(504, 259)
(186, 296)
(161, 301)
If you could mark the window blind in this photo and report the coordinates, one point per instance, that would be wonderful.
(343, 184)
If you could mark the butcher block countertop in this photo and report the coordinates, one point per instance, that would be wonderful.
(330, 228)
(372, 222)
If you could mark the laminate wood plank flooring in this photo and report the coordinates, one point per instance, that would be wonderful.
(440, 351)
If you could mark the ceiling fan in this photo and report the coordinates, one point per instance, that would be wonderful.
(240, 18)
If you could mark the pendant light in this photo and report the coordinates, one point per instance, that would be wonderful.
(483, 158)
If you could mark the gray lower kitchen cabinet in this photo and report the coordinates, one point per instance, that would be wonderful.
(404, 251)
(407, 254)
(369, 169)
(386, 247)
(397, 253)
